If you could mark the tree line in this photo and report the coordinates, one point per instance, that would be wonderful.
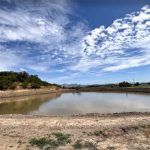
(127, 84)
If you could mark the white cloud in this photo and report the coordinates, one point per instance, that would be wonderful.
(46, 24)
(8, 60)
(134, 61)
(122, 45)
(24, 25)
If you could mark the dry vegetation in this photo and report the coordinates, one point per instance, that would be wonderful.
(90, 132)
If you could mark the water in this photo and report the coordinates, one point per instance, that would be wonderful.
(77, 103)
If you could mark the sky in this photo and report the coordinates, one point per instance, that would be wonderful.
(76, 41)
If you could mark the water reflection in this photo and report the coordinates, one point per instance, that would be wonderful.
(24, 105)
(79, 103)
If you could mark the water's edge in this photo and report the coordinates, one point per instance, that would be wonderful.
(21, 93)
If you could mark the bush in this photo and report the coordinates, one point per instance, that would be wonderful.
(78, 145)
(12, 87)
(87, 145)
(48, 143)
(42, 142)
(24, 85)
(62, 139)
(35, 86)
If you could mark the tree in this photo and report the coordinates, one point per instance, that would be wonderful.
(35, 86)
(34, 79)
(5, 84)
(137, 84)
(22, 76)
(124, 84)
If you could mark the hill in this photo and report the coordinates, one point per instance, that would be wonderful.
(21, 80)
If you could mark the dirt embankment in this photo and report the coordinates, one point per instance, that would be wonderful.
(27, 92)
(101, 132)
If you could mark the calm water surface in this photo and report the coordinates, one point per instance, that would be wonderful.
(78, 103)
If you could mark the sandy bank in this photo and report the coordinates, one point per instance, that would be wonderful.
(128, 131)
(27, 92)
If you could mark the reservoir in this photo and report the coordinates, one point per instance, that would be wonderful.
(64, 104)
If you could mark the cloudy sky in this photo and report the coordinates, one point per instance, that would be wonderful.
(76, 41)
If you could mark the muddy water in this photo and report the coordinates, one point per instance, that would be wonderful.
(78, 103)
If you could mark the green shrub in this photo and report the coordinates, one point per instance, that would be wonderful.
(35, 86)
(12, 86)
(88, 145)
(39, 142)
(62, 139)
(78, 145)
(24, 85)
(47, 143)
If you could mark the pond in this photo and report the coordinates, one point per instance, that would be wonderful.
(77, 103)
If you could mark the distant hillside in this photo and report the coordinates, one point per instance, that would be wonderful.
(21, 80)
(72, 85)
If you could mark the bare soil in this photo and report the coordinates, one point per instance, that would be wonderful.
(26, 92)
(126, 131)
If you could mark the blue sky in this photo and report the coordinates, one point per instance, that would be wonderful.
(76, 41)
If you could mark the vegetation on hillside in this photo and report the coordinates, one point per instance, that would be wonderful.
(13, 80)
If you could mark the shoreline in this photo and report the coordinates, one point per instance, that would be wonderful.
(118, 131)
(31, 92)
(28, 92)
(114, 89)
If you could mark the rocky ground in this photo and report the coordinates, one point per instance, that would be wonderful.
(126, 131)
